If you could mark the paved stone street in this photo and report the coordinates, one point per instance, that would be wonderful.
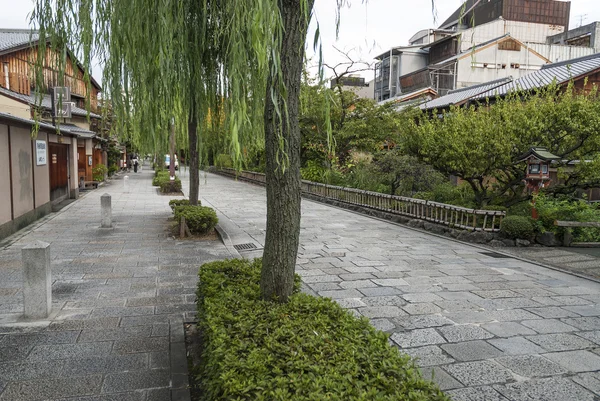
(120, 299)
(487, 328)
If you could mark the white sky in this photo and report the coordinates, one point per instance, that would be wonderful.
(367, 28)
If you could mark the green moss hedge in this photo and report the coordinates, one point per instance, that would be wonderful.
(199, 219)
(307, 349)
(517, 227)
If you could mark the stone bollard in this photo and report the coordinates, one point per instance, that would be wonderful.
(126, 183)
(106, 211)
(37, 282)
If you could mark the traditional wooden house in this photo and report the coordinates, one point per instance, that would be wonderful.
(37, 172)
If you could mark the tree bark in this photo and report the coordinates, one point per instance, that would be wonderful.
(283, 186)
(194, 160)
(172, 150)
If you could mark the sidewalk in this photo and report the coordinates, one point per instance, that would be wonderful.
(120, 298)
(487, 327)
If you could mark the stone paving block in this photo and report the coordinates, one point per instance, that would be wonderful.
(585, 310)
(552, 312)
(27, 370)
(512, 315)
(47, 337)
(115, 334)
(531, 365)
(129, 396)
(65, 351)
(471, 350)
(479, 373)
(483, 393)
(122, 311)
(380, 291)
(552, 389)
(492, 294)
(547, 326)
(390, 282)
(160, 394)
(428, 355)
(325, 286)
(143, 320)
(382, 324)
(417, 338)
(137, 380)
(381, 311)
(459, 296)
(561, 300)
(104, 365)
(575, 290)
(356, 276)
(440, 377)
(336, 294)
(388, 300)
(464, 332)
(357, 284)
(576, 361)
(584, 323)
(591, 381)
(350, 302)
(422, 309)
(560, 342)
(455, 306)
(422, 321)
(421, 297)
(51, 388)
(516, 346)
(593, 336)
(133, 345)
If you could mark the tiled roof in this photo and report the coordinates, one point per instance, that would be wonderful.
(560, 72)
(64, 128)
(11, 38)
(458, 96)
(9, 116)
(46, 102)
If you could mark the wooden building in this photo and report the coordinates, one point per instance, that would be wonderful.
(45, 170)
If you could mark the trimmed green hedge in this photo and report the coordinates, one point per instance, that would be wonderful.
(180, 202)
(307, 349)
(199, 219)
(167, 186)
(160, 176)
(516, 227)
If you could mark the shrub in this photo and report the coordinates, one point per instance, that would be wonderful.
(180, 202)
(99, 172)
(199, 219)
(497, 208)
(112, 169)
(520, 209)
(160, 177)
(307, 349)
(517, 227)
(313, 171)
(169, 186)
(564, 208)
(224, 160)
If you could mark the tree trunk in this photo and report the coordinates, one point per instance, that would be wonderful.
(194, 160)
(172, 150)
(283, 187)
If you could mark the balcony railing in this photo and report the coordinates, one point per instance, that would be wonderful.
(440, 213)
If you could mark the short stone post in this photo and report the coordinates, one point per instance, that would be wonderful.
(106, 211)
(37, 282)
(126, 183)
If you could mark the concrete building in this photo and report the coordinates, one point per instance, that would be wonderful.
(482, 41)
(355, 83)
(46, 161)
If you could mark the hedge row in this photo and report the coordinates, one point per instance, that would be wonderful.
(307, 349)
(199, 219)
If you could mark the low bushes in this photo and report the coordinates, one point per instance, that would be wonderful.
(180, 202)
(99, 172)
(550, 209)
(199, 219)
(307, 349)
(516, 227)
(170, 186)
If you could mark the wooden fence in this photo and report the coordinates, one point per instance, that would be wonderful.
(440, 213)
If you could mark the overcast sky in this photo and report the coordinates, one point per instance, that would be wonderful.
(367, 28)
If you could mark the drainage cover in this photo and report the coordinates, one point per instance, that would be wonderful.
(495, 255)
(245, 247)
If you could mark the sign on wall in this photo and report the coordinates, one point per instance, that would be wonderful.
(41, 153)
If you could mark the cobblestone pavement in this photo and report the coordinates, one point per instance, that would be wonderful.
(486, 328)
(120, 299)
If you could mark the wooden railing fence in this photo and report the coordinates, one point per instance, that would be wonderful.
(440, 213)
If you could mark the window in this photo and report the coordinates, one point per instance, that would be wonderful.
(534, 169)
(544, 169)
(515, 66)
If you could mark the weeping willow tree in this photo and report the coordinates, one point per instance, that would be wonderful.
(187, 59)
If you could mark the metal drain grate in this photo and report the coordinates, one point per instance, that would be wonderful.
(495, 255)
(245, 247)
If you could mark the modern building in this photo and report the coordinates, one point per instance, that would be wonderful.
(43, 159)
(483, 41)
